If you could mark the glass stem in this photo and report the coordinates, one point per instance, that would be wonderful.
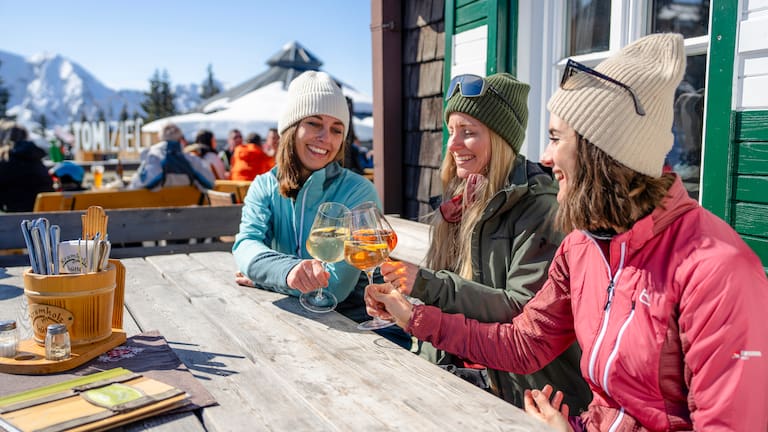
(319, 296)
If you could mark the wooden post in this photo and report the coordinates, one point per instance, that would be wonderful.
(386, 20)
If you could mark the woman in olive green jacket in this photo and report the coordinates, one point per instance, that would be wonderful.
(493, 236)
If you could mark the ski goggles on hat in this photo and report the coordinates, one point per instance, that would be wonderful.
(573, 67)
(471, 86)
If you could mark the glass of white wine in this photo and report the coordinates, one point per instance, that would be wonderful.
(326, 243)
(367, 247)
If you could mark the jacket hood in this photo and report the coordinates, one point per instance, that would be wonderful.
(27, 150)
(526, 176)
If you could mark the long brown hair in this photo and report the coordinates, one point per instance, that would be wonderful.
(606, 195)
(450, 247)
(291, 174)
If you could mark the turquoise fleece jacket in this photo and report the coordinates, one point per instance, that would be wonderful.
(274, 229)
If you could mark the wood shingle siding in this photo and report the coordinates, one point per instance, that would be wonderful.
(423, 55)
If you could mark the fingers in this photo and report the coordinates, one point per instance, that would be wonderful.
(529, 404)
(308, 275)
(243, 280)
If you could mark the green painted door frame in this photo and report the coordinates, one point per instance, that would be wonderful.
(718, 156)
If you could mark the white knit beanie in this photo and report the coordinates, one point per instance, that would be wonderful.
(604, 113)
(313, 93)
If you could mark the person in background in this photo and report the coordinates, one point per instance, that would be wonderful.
(280, 207)
(22, 173)
(665, 298)
(272, 143)
(234, 139)
(68, 176)
(205, 148)
(249, 160)
(494, 235)
(165, 164)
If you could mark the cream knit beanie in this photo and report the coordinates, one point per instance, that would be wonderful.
(313, 93)
(604, 113)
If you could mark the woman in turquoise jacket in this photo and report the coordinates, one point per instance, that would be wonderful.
(280, 206)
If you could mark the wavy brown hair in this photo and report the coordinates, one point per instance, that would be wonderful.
(451, 243)
(291, 174)
(606, 195)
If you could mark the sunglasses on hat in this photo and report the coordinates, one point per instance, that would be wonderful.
(472, 86)
(573, 67)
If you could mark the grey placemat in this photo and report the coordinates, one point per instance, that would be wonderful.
(145, 353)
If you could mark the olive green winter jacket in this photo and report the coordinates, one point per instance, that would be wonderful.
(512, 246)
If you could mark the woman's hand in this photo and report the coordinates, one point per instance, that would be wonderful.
(308, 275)
(243, 280)
(554, 413)
(385, 302)
(401, 275)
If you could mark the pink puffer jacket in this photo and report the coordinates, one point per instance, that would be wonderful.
(671, 324)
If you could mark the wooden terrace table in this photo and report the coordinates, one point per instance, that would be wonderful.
(271, 365)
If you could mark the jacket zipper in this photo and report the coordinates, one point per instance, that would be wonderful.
(617, 422)
(299, 233)
(607, 309)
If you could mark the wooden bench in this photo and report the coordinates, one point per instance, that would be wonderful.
(238, 187)
(114, 199)
(130, 227)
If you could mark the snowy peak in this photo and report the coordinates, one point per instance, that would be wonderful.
(59, 88)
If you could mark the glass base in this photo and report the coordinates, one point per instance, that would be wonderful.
(321, 302)
(375, 324)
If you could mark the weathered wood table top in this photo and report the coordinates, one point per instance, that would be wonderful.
(271, 365)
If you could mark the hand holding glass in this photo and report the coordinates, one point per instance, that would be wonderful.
(326, 243)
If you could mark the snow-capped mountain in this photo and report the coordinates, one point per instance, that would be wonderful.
(63, 91)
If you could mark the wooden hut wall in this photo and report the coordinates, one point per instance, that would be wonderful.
(423, 55)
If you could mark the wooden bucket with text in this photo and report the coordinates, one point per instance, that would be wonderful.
(84, 302)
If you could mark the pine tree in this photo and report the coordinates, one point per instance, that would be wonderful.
(42, 122)
(209, 86)
(100, 116)
(124, 113)
(4, 97)
(152, 104)
(169, 108)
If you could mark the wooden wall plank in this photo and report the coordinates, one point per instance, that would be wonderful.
(750, 219)
(752, 126)
(752, 189)
(753, 158)
(760, 246)
(471, 15)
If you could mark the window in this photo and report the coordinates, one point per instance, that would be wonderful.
(588, 26)
(691, 19)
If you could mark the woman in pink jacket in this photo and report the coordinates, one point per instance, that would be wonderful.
(664, 298)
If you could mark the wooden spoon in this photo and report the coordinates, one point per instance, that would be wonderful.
(94, 221)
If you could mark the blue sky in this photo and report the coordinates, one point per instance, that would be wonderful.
(122, 43)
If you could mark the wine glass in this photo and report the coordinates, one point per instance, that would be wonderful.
(326, 243)
(367, 247)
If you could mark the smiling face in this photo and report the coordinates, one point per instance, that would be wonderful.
(318, 141)
(469, 143)
(560, 154)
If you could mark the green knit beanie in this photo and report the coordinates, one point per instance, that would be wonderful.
(507, 118)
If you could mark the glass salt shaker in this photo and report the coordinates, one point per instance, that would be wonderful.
(9, 338)
(57, 346)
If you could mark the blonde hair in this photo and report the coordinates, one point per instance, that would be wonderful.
(290, 172)
(450, 245)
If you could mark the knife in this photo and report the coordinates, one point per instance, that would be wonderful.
(55, 240)
(30, 246)
(37, 243)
